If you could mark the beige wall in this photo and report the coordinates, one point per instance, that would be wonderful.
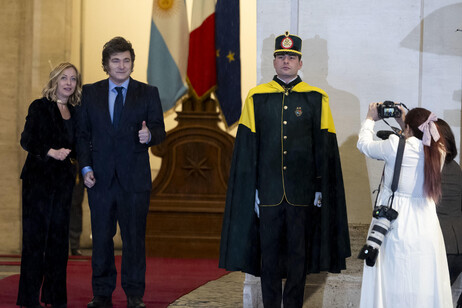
(10, 17)
(404, 51)
(39, 34)
(35, 35)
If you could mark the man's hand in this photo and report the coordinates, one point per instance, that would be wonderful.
(60, 154)
(144, 134)
(89, 179)
(318, 199)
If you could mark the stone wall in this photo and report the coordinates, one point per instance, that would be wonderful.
(357, 53)
(403, 51)
(35, 36)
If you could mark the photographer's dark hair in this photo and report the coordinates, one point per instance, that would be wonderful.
(447, 138)
(432, 166)
(116, 45)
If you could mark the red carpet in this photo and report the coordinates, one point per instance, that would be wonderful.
(166, 281)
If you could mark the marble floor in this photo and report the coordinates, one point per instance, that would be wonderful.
(322, 290)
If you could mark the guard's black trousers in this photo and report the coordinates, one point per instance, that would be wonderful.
(283, 232)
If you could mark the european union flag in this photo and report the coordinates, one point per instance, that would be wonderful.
(227, 45)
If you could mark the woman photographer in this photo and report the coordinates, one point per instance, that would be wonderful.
(411, 268)
(449, 207)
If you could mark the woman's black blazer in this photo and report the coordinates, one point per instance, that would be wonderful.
(45, 129)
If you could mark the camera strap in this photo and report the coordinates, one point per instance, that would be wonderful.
(398, 162)
(396, 171)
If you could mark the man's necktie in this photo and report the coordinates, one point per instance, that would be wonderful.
(118, 105)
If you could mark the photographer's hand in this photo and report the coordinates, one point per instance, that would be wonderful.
(372, 113)
(402, 118)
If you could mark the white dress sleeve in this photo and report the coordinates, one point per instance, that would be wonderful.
(376, 149)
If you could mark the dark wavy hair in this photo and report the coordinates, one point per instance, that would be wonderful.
(432, 165)
(116, 45)
(447, 139)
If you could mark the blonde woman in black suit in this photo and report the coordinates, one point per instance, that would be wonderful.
(48, 178)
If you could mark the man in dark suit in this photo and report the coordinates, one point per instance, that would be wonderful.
(119, 119)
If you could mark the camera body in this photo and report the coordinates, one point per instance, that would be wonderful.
(388, 109)
(384, 211)
(382, 218)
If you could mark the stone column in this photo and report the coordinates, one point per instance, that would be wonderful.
(35, 36)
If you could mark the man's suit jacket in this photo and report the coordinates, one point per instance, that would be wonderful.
(109, 151)
(449, 208)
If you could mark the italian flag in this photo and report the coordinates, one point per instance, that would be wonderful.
(201, 72)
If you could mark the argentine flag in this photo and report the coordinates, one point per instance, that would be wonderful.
(168, 51)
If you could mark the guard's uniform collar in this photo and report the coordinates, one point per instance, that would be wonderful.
(287, 86)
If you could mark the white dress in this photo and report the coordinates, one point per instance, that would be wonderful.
(411, 269)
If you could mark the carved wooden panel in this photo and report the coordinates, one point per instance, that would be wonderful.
(188, 195)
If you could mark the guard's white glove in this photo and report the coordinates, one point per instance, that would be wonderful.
(257, 202)
(318, 199)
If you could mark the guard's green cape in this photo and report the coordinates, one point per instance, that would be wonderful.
(240, 243)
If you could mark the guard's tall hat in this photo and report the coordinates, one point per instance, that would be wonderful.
(288, 43)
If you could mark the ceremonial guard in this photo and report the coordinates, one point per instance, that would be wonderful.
(285, 212)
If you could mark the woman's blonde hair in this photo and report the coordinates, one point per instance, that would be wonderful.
(49, 91)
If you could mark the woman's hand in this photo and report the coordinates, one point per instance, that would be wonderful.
(372, 113)
(401, 119)
(60, 154)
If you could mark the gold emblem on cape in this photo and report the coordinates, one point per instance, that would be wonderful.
(298, 111)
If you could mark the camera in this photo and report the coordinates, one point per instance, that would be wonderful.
(382, 218)
(388, 109)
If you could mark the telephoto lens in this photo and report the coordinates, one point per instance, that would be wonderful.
(381, 221)
(370, 251)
